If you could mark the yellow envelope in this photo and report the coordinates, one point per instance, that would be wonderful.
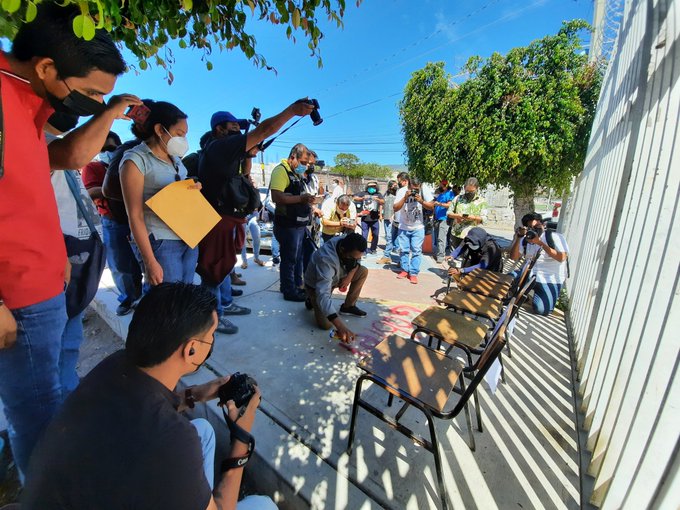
(185, 211)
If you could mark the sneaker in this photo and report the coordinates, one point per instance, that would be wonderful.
(298, 297)
(124, 308)
(276, 260)
(402, 275)
(234, 309)
(236, 292)
(384, 260)
(235, 280)
(413, 279)
(226, 326)
(352, 310)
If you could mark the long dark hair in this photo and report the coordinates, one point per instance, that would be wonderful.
(163, 113)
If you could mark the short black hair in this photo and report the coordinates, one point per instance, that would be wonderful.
(528, 218)
(114, 136)
(51, 35)
(163, 113)
(165, 319)
(352, 242)
(403, 176)
(298, 151)
(414, 181)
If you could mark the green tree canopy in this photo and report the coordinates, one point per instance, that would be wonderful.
(145, 27)
(521, 120)
(350, 165)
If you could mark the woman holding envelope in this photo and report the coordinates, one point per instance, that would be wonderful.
(144, 171)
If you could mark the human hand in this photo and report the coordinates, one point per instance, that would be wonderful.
(344, 334)
(154, 272)
(8, 328)
(521, 231)
(454, 271)
(208, 391)
(301, 107)
(196, 185)
(118, 105)
(245, 416)
(535, 240)
(317, 212)
(306, 198)
(67, 273)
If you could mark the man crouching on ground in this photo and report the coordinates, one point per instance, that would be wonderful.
(120, 441)
(336, 265)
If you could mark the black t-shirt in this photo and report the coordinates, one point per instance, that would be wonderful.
(370, 204)
(490, 254)
(219, 161)
(118, 442)
(111, 187)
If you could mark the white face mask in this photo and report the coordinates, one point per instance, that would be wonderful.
(177, 145)
(104, 157)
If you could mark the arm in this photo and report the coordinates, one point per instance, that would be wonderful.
(79, 146)
(559, 256)
(271, 125)
(513, 252)
(398, 204)
(246, 166)
(132, 184)
(281, 198)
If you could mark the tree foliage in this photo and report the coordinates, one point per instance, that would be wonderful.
(351, 166)
(521, 120)
(145, 27)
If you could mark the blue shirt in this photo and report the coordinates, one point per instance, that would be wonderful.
(440, 212)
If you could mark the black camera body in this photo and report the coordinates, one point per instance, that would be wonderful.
(256, 115)
(240, 388)
(531, 234)
(315, 115)
(415, 192)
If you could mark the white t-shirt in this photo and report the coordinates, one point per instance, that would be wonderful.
(410, 216)
(547, 269)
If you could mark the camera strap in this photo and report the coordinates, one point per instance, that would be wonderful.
(238, 434)
(263, 145)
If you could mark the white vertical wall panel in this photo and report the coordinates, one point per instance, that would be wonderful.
(623, 225)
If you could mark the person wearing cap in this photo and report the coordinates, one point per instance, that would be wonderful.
(227, 154)
(441, 226)
(369, 205)
(478, 251)
(465, 211)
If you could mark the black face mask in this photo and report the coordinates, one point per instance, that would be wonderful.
(76, 104)
(199, 365)
(349, 263)
(470, 195)
(62, 121)
(232, 133)
(310, 169)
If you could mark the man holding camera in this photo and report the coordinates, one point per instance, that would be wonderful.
(120, 440)
(336, 265)
(551, 267)
(338, 217)
(293, 209)
(465, 211)
(227, 155)
(408, 208)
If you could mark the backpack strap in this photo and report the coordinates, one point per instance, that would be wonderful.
(75, 191)
(551, 242)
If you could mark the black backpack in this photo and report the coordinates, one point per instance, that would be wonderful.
(239, 197)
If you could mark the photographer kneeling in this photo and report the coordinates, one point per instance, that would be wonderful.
(120, 441)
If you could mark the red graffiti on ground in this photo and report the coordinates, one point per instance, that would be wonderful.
(397, 320)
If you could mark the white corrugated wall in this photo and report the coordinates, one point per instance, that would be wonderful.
(623, 227)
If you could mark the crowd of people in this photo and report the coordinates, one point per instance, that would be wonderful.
(127, 411)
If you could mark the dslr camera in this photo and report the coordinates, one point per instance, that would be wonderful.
(415, 192)
(240, 388)
(315, 115)
(531, 234)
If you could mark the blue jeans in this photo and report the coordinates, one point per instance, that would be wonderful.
(440, 238)
(276, 247)
(290, 239)
(308, 250)
(545, 297)
(30, 379)
(121, 260)
(254, 227)
(222, 292)
(175, 257)
(374, 227)
(70, 349)
(389, 239)
(410, 242)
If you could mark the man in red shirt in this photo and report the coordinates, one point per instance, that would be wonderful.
(48, 68)
(124, 267)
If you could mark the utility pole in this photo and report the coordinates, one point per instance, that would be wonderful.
(597, 37)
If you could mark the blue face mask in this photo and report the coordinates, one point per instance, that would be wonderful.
(371, 190)
(301, 169)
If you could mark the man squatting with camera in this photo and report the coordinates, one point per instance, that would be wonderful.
(120, 440)
(551, 267)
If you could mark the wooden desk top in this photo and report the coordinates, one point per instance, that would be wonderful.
(404, 364)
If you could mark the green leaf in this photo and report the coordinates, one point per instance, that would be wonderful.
(31, 12)
(88, 28)
(209, 65)
(187, 5)
(182, 43)
(143, 65)
(296, 17)
(78, 22)
(11, 6)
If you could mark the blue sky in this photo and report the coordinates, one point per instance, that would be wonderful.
(369, 61)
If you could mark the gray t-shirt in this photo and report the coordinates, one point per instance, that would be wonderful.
(157, 175)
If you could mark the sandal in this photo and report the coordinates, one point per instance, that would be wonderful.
(244, 265)
(259, 262)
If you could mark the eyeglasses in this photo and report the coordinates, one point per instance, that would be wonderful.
(212, 345)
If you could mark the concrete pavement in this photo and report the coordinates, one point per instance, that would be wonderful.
(526, 457)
